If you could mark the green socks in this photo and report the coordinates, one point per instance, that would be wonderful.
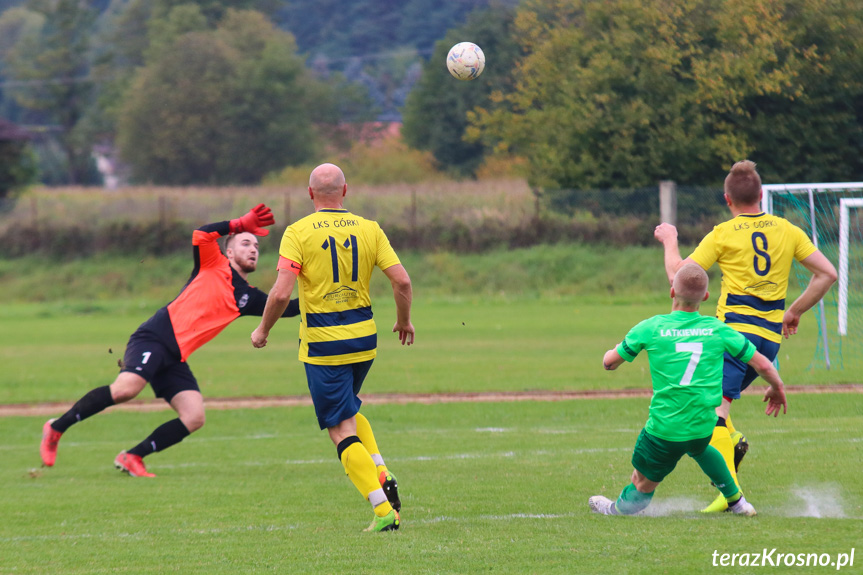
(631, 500)
(714, 466)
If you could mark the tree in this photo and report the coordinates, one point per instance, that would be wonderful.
(19, 29)
(119, 51)
(214, 10)
(815, 134)
(53, 63)
(628, 92)
(220, 106)
(424, 23)
(16, 24)
(130, 36)
(17, 162)
(436, 112)
(385, 38)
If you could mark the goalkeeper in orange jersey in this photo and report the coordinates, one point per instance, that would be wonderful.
(755, 252)
(216, 293)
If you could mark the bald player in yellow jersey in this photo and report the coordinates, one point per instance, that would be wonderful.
(331, 255)
(755, 252)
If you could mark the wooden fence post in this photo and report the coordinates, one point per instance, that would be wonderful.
(163, 224)
(668, 202)
(413, 214)
(537, 194)
(34, 214)
(287, 208)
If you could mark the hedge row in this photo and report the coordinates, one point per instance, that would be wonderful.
(162, 237)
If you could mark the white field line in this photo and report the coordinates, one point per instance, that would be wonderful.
(140, 535)
(416, 458)
(433, 458)
(146, 534)
(469, 456)
(56, 408)
(532, 431)
(202, 438)
(826, 505)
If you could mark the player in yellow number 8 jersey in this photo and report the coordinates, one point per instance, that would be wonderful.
(755, 252)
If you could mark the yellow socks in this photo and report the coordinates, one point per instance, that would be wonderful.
(721, 440)
(361, 471)
(383, 509)
(364, 431)
(730, 426)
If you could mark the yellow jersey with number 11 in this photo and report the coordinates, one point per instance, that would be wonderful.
(755, 253)
(336, 252)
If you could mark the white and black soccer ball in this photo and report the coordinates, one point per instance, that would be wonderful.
(465, 61)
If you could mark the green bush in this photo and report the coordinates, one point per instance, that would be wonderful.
(385, 160)
(17, 170)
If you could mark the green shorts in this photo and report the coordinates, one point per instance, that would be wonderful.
(655, 458)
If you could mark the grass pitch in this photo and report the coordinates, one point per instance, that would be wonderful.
(486, 488)
(59, 353)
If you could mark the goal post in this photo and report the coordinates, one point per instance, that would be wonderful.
(828, 213)
(845, 205)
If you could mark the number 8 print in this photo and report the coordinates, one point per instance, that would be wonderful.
(762, 251)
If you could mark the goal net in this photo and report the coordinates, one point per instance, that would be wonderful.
(832, 215)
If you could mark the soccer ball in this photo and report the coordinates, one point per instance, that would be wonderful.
(465, 61)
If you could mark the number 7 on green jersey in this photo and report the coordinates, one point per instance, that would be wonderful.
(695, 350)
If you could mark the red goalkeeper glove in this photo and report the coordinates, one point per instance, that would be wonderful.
(254, 221)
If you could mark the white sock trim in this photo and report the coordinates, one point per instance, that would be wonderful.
(377, 497)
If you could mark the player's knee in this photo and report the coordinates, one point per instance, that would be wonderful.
(126, 388)
(121, 395)
(642, 483)
(194, 422)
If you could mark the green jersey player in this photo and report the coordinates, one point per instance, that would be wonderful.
(686, 351)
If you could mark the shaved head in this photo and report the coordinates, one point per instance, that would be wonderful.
(690, 285)
(326, 180)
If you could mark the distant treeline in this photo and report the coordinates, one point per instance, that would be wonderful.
(579, 94)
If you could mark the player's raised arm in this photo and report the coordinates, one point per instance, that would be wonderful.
(667, 236)
(254, 221)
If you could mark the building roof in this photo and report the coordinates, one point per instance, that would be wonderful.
(10, 131)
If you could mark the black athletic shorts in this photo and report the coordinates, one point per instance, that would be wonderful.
(153, 361)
